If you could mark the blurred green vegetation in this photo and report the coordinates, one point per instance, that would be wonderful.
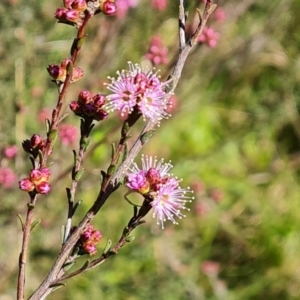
(234, 138)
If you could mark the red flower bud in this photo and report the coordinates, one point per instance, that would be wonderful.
(56, 72)
(99, 100)
(100, 115)
(36, 141)
(85, 97)
(75, 107)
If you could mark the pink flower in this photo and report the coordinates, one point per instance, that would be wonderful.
(139, 89)
(11, 151)
(172, 104)
(169, 202)
(77, 74)
(155, 182)
(44, 113)
(210, 268)
(138, 182)
(157, 52)
(123, 6)
(7, 177)
(89, 247)
(159, 4)
(209, 37)
(89, 238)
(68, 134)
(219, 14)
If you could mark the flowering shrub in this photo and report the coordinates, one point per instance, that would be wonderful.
(136, 92)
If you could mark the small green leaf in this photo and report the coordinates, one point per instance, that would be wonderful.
(34, 224)
(125, 152)
(58, 285)
(107, 246)
(111, 170)
(125, 129)
(86, 265)
(130, 239)
(53, 136)
(81, 41)
(68, 266)
(78, 174)
(70, 68)
(21, 221)
(113, 150)
(147, 136)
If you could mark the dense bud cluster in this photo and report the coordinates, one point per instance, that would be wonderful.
(37, 181)
(89, 106)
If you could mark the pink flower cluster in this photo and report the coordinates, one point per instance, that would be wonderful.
(157, 52)
(159, 4)
(89, 106)
(138, 89)
(68, 134)
(37, 181)
(10, 151)
(124, 6)
(7, 178)
(88, 240)
(59, 72)
(210, 37)
(155, 182)
(73, 12)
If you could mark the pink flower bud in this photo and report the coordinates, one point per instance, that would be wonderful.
(85, 97)
(36, 176)
(36, 141)
(77, 74)
(65, 62)
(90, 247)
(96, 236)
(26, 185)
(99, 100)
(43, 187)
(75, 107)
(80, 5)
(56, 72)
(11, 151)
(100, 115)
(108, 7)
(72, 15)
(60, 13)
(45, 173)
